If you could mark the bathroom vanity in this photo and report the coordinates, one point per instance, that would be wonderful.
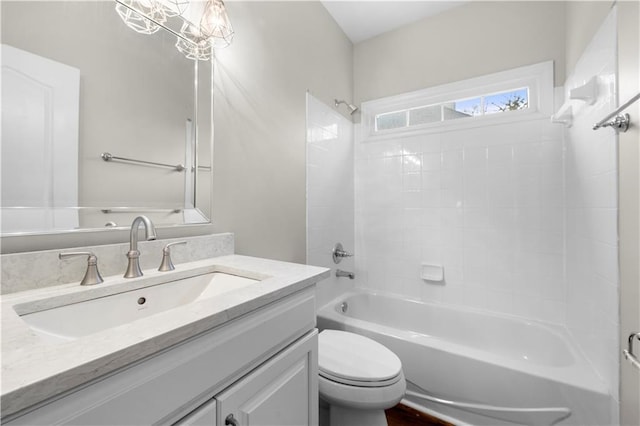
(222, 354)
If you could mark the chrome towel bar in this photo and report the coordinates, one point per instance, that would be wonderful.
(138, 210)
(106, 156)
(621, 121)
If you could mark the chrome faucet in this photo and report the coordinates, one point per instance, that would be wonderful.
(133, 268)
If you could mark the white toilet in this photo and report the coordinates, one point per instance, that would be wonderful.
(359, 378)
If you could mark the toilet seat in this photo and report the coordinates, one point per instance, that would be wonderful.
(352, 359)
(360, 383)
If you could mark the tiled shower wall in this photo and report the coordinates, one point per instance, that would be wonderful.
(329, 194)
(485, 203)
(522, 216)
(592, 214)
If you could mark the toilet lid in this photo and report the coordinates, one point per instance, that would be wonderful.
(351, 358)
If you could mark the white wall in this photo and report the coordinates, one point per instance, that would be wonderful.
(582, 20)
(474, 39)
(329, 194)
(280, 50)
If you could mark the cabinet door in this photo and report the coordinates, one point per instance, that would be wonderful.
(281, 392)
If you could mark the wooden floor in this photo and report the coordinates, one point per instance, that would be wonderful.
(401, 415)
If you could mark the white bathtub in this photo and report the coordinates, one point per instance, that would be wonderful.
(503, 370)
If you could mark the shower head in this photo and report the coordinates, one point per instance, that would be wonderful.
(352, 108)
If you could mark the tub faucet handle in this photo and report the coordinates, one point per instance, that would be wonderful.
(339, 253)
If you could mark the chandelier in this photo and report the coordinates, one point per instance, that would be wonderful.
(205, 27)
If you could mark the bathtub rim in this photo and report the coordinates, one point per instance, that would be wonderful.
(553, 328)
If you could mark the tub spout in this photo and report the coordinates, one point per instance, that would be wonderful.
(341, 273)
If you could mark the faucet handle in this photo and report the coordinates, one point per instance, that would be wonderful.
(167, 264)
(339, 253)
(92, 275)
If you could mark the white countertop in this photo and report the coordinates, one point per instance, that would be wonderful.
(34, 370)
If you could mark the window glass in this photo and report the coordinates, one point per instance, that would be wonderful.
(506, 101)
(391, 120)
(511, 100)
(487, 104)
(423, 115)
(462, 109)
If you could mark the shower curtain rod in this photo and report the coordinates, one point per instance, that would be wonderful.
(620, 122)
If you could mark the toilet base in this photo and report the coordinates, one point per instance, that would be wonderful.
(343, 416)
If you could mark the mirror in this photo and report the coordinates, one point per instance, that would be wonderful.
(79, 87)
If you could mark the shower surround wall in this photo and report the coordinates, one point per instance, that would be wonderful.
(329, 193)
(592, 211)
(522, 216)
(486, 203)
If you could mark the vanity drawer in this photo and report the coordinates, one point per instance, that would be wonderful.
(164, 387)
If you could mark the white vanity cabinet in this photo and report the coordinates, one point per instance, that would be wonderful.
(261, 368)
(282, 391)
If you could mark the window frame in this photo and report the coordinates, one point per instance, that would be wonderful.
(537, 78)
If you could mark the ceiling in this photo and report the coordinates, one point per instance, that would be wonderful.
(363, 19)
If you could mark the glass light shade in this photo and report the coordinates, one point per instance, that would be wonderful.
(215, 24)
(135, 15)
(198, 48)
(198, 52)
(174, 7)
(198, 40)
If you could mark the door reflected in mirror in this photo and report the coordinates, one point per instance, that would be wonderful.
(77, 83)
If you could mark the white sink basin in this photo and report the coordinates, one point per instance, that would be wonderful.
(80, 319)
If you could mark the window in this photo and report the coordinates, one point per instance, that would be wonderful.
(512, 93)
(512, 100)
